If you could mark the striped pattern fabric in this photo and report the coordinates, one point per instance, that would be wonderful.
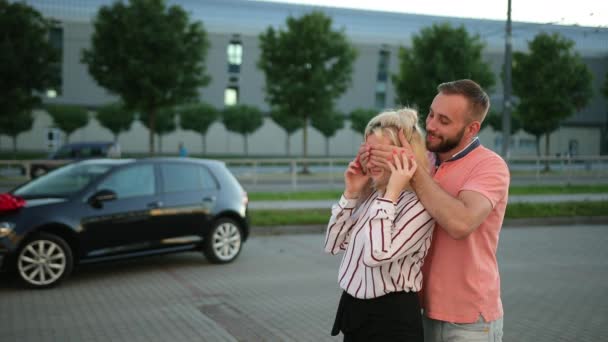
(384, 243)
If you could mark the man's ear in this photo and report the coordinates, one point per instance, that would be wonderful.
(473, 128)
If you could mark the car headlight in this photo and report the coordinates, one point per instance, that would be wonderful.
(6, 228)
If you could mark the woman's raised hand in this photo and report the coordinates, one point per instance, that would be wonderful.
(402, 169)
(354, 179)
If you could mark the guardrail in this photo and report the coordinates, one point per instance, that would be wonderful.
(328, 172)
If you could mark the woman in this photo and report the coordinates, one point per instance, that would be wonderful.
(385, 233)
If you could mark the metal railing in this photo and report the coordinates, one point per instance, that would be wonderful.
(327, 173)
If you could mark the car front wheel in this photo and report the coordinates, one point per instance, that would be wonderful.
(223, 242)
(44, 261)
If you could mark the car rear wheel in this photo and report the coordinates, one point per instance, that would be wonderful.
(223, 241)
(44, 261)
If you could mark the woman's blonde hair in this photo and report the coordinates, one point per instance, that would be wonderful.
(388, 124)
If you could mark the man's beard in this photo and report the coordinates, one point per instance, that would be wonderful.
(447, 144)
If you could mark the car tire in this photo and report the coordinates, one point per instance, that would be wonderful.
(44, 261)
(223, 242)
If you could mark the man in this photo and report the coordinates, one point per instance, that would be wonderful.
(467, 196)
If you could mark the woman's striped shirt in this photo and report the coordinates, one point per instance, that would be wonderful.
(384, 243)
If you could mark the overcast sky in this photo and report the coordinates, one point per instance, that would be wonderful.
(581, 12)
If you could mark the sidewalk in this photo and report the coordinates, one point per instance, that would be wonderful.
(323, 204)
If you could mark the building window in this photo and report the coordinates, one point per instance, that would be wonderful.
(56, 41)
(382, 78)
(235, 56)
(231, 96)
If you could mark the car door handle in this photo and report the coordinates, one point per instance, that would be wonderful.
(154, 205)
(209, 199)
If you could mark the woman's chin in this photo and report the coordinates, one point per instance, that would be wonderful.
(379, 182)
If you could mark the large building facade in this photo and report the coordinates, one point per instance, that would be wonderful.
(233, 27)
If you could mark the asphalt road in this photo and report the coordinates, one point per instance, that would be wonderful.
(283, 288)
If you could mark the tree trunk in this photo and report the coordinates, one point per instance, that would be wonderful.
(305, 146)
(204, 143)
(14, 143)
(116, 137)
(288, 144)
(245, 144)
(537, 145)
(547, 152)
(152, 130)
(326, 146)
(160, 144)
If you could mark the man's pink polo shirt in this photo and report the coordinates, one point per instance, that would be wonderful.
(461, 279)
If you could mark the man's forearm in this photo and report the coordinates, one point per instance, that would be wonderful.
(449, 212)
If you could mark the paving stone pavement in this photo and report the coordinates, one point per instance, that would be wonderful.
(283, 288)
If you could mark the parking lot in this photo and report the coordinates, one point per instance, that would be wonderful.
(283, 288)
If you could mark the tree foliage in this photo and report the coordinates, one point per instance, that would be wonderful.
(68, 118)
(290, 123)
(16, 124)
(328, 125)
(116, 118)
(440, 53)
(149, 54)
(551, 82)
(244, 120)
(29, 65)
(307, 67)
(360, 117)
(494, 120)
(197, 118)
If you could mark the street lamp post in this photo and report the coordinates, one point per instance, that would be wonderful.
(506, 114)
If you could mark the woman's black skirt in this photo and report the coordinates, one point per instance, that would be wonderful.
(392, 317)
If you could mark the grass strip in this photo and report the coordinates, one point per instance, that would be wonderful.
(517, 210)
(513, 190)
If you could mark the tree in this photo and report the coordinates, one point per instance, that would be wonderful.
(328, 125)
(360, 117)
(16, 124)
(551, 82)
(29, 65)
(494, 120)
(244, 120)
(290, 123)
(307, 67)
(165, 123)
(439, 53)
(149, 54)
(68, 118)
(198, 117)
(116, 118)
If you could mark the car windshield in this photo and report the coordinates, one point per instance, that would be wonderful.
(63, 182)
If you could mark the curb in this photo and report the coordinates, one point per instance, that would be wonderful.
(508, 223)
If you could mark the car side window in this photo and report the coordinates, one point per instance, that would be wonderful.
(131, 182)
(184, 177)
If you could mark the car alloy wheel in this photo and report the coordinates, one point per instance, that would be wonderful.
(44, 261)
(223, 242)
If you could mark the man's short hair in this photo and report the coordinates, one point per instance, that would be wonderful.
(479, 101)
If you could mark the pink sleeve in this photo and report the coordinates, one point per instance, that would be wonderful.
(490, 177)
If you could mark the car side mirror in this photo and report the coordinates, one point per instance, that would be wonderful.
(104, 195)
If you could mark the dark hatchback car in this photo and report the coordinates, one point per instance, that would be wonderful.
(106, 209)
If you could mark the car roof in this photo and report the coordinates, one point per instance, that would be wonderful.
(118, 162)
(88, 143)
(184, 159)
